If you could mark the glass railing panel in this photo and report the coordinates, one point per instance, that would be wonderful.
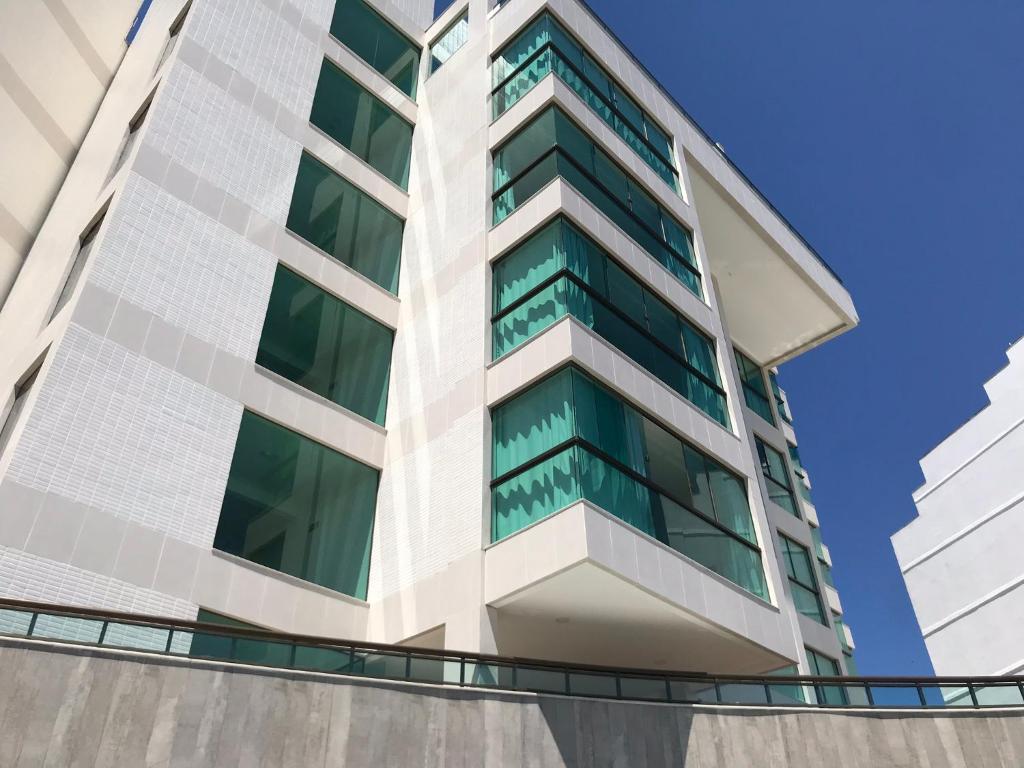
(903, 696)
(386, 665)
(743, 693)
(15, 622)
(789, 694)
(649, 689)
(581, 684)
(699, 692)
(323, 659)
(540, 679)
(67, 628)
(134, 636)
(998, 695)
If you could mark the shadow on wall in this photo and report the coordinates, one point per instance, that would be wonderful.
(591, 732)
(62, 705)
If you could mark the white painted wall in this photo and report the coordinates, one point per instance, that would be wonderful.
(113, 483)
(960, 557)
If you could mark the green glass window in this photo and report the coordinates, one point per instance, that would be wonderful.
(551, 146)
(819, 550)
(568, 438)
(545, 47)
(755, 393)
(823, 666)
(365, 32)
(362, 123)
(453, 38)
(348, 224)
(803, 585)
(773, 467)
(780, 400)
(837, 622)
(321, 343)
(800, 472)
(559, 271)
(298, 507)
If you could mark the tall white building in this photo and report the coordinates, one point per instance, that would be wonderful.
(960, 556)
(453, 332)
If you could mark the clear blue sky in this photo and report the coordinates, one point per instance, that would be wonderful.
(892, 135)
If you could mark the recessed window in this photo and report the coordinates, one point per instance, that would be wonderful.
(21, 393)
(346, 223)
(755, 392)
(373, 39)
(298, 507)
(77, 265)
(172, 34)
(323, 344)
(802, 583)
(362, 123)
(131, 138)
(776, 476)
(453, 38)
(568, 438)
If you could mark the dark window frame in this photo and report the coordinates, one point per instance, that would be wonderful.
(640, 132)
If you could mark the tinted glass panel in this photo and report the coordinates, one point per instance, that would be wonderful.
(358, 120)
(610, 301)
(377, 43)
(545, 47)
(326, 346)
(623, 463)
(348, 224)
(298, 507)
(449, 42)
(583, 165)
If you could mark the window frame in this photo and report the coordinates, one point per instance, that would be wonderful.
(564, 272)
(607, 100)
(413, 45)
(745, 366)
(461, 17)
(759, 444)
(785, 549)
(579, 442)
(556, 150)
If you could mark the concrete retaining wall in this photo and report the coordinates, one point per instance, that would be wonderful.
(66, 706)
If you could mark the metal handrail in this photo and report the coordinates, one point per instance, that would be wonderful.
(477, 670)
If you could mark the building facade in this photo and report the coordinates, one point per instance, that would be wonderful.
(958, 556)
(453, 332)
(47, 104)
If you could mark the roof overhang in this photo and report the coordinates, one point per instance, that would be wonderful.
(778, 297)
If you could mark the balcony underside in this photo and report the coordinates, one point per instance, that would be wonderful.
(779, 300)
(581, 585)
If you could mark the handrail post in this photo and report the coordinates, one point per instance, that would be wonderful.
(103, 632)
(920, 694)
(974, 696)
(167, 645)
(32, 624)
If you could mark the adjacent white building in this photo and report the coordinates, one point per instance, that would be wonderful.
(959, 556)
(455, 332)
